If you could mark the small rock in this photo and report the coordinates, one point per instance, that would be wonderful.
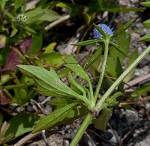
(131, 116)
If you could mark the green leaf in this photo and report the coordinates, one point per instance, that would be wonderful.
(93, 58)
(130, 61)
(76, 84)
(123, 41)
(10, 15)
(123, 28)
(21, 124)
(102, 121)
(49, 48)
(147, 23)
(113, 99)
(49, 15)
(48, 82)
(18, 3)
(61, 102)
(145, 38)
(53, 59)
(47, 90)
(75, 67)
(88, 42)
(2, 4)
(30, 29)
(39, 14)
(74, 114)
(119, 49)
(146, 4)
(37, 41)
(142, 90)
(113, 69)
(53, 118)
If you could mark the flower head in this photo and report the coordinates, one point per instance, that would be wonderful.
(21, 19)
(97, 35)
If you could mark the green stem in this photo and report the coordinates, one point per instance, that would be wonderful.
(106, 43)
(120, 79)
(92, 103)
(82, 129)
(17, 86)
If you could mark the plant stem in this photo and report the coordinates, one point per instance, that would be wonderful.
(82, 129)
(60, 20)
(106, 43)
(120, 79)
(18, 85)
(92, 103)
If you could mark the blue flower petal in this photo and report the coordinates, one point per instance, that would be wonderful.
(97, 35)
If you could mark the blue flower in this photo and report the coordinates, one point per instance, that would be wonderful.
(97, 35)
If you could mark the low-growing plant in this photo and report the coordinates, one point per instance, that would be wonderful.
(79, 100)
(78, 97)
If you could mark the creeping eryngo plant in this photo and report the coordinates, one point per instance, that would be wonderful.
(90, 99)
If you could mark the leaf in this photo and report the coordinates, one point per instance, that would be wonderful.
(146, 4)
(142, 90)
(147, 23)
(4, 100)
(30, 29)
(145, 38)
(39, 14)
(76, 84)
(10, 15)
(119, 49)
(18, 3)
(130, 61)
(75, 67)
(53, 118)
(112, 99)
(53, 59)
(74, 114)
(123, 28)
(13, 58)
(21, 124)
(37, 41)
(93, 58)
(2, 3)
(3, 39)
(48, 82)
(49, 15)
(61, 102)
(88, 42)
(123, 41)
(49, 48)
(102, 121)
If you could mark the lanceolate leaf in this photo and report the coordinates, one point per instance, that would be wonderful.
(53, 118)
(146, 4)
(147, 23)
(88, 42)
(93, 58)
(21, 124)
(145, 38)
(123, 28)
(48, 82)
(76, 84)
(75, 67)
(61, 102)
(119, 49)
